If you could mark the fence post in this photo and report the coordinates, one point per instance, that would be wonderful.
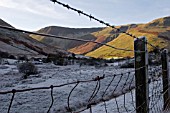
(165, 77)
(141, 75)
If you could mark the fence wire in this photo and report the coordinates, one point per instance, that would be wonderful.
(116, 96)
(118, 30)
(156, 85)
(93, 98)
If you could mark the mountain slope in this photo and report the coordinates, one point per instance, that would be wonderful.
(3, 23)
(106, 35)
(157, 33)
(65, 32)
(102, 36)
(15, 43)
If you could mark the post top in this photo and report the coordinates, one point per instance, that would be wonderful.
(165, 51)
(141, 37)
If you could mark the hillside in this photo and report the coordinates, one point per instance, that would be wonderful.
(3, 23)
(65, 32)
(14, 43)
(157, 33)
(105, 35)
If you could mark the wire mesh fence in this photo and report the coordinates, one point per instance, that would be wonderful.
(84, 90)
(96, 88)
(109, 90)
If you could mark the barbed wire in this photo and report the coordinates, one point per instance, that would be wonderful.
(127, 78)
(99, 20)
(153, 97)
(90, 17)
(66, 38)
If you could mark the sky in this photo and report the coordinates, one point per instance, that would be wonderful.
(35, 14)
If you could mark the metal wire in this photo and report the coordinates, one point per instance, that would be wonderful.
(154, 98)
(99, 20)
(52, 99)
(128, 80)
(91, 17)
(96, 90)
(66, 38)
(13, 94)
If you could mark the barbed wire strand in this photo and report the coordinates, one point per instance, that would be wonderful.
(98, 20)
(66, 38)
(90, 16)
(65, 84)
(54, 86)
(97, 79)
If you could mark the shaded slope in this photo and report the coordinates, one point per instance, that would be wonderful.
(16, 43)
(66, 32)
(3, 23)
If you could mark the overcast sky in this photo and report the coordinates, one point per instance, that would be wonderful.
(35, 14)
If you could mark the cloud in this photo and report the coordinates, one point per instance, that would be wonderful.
(35, 13)
(43, 8)
(8, 3)
(31, 15)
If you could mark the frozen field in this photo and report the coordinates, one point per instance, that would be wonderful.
(38, 101)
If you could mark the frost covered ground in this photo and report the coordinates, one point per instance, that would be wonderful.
(38, 101)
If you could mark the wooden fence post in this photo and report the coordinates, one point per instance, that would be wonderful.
(141, 75)
(165, 77)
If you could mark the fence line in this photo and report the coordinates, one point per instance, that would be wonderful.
(95, 91)
(127, 87)
(154, 98)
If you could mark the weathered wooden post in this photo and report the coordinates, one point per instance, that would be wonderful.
(141, 75)
(165, 77)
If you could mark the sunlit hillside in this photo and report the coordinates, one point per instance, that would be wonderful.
(157, 33)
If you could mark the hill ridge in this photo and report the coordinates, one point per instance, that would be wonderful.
(16, 43)
(157, 33)
(66, 32)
